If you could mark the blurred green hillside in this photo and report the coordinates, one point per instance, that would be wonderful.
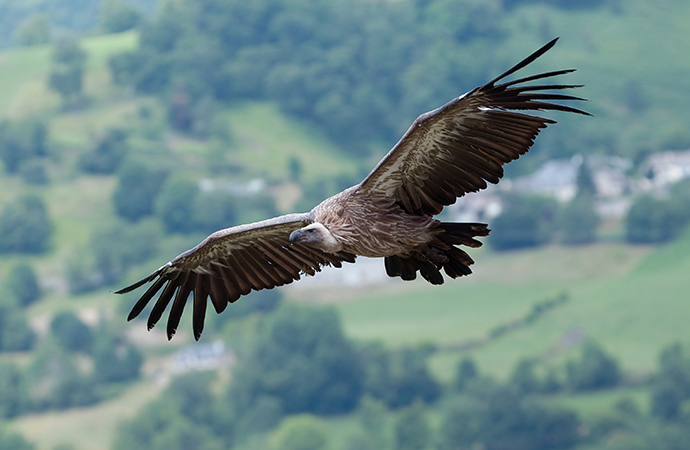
(309, 110)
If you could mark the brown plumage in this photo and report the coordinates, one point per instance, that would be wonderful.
(445, 154)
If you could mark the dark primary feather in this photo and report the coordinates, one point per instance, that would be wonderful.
(462, 145)
(228, 264)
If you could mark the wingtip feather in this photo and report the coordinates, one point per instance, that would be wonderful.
(525, 62)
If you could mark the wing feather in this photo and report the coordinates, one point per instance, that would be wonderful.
(220, 294)
(236, 272)
(201, 293)
(161, 304)
(459, 147)
(228, 264)
(179, 303)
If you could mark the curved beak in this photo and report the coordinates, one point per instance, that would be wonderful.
(295, 236)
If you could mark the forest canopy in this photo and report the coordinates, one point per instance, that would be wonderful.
(342, 65)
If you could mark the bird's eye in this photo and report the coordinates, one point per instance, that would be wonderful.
(311, 230)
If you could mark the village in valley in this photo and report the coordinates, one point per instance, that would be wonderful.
(615, 181)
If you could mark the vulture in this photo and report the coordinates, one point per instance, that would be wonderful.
(446, 153)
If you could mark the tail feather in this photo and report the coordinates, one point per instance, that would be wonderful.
(393, 265)
(409, 269)
(441, 254)
(430, 272)
(463, 233)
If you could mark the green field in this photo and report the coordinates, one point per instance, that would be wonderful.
(631, 300)
(90, 428)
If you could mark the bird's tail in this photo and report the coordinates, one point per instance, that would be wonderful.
(441, 253)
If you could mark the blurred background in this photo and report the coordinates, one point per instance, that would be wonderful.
(131, 129)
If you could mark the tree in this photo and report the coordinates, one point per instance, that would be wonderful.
(22, 283)
(57, 381)
(187, 415)
(117, 16)
(14, 399)
(414, 383)
(33, 171)
(651, 220)
(302, 359)
(34, 31)
(585, 181)
(594, 370)
(115, 360)
(412, 431)
(463, 422)
(70, 332)
(25, 226)
(399, 377)
(524, 222)
(214, 211)
(261, 416)
(372, 417)
(302, 432)
(67, 72)
(21, 142)
(180, 109)
(107, 154)
(672, 384)
(465, 373)
(667, 399)
(295, 168)
(115, 248)
(578, 221)
(501, 418)
(360, 441)
(175, 204)
(136, 191)
(523, 377)
(15, 333)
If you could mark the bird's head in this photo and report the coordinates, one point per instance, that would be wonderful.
(318, 236)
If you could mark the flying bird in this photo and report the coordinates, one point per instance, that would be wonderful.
(446, 153)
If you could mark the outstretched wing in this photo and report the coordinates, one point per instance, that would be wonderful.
(228, 264)
(458, 147)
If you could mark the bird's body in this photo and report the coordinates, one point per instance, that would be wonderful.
(347, 215)
(446, 153)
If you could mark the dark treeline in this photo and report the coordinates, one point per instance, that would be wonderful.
(35, 22)
(361, 70)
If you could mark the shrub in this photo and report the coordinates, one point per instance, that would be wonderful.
(25, 226)
(578, 221)
(15, 334)
(137, 188)
(23, 284)
(70, 332)
(21, 142)
(651, 220)
(107, 154)
(525, 222)
(594, 370)
(302, 359)
(115, 360)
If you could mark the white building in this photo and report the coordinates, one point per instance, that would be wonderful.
(664, 169)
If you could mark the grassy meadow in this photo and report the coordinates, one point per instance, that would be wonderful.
(631, 300)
